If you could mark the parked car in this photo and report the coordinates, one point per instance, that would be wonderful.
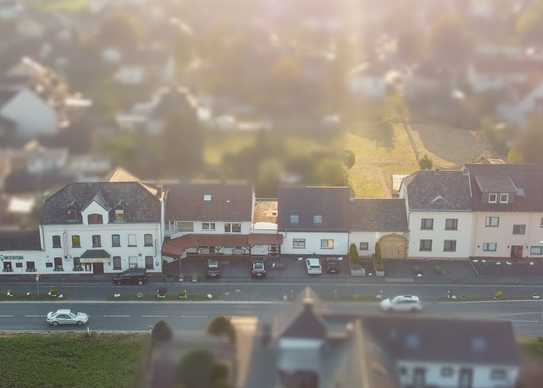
(258, 269)
(331, 265)
(131, 276)
(313, 266)
(66, 317)
(213, 269)
(402, 303)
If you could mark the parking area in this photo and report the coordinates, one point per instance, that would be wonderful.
(430, 270)
(500, 269)
(238, 267)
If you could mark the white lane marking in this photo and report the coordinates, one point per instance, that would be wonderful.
(117, 316)
(194, 316)
(7, 316)
(35, 316)
(154, 316)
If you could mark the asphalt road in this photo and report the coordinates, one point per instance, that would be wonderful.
(192, 317)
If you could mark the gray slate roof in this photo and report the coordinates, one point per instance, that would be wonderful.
(332, 203)
(438, 190)
(139, 205)
(524, 182)
(378, 215)
(20, 241)
(230, 202)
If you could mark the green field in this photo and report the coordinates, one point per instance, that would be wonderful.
(67, 360)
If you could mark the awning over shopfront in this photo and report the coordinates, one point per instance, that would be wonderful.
(95, 256)
(177, 246)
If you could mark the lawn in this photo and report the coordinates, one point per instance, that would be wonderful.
(70, 360)
(61, 5)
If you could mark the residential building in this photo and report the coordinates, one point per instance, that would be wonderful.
(438, 205)
(21, 252)
(314, 220)
(508, 210)
(214, 218)
(382, 221)
(102, 227)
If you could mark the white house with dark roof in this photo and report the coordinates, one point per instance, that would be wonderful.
(21, 253)
(102, 227)
(507, 202)
(314, 220)
(382, 221)
(439, 216)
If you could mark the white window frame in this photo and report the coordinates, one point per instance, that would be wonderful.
(538, 248)
(183, 226)
(521, 226)
(327, 243)
(506, 196)
(208, 197)
(208, 226)
(487, 247)
(426, 250)
(120, 261)
(317, 219)
(132, 240)
(455, 221)
(493, 198)
(489, 224)
(298, 243)
(445, 246)
(423, 221)
(294, 219)
(366, 245)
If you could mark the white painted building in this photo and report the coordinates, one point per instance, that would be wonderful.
(314, 220)
(21, 253)
(440, 220)
(102, 227)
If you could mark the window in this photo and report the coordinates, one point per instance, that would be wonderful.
(77, 264)
(427, 224)
(208, 225)
(132, 240)
(184, 226)
(149, 262)
(447, 371)
(317, 219)
(490, 247)
(449, 246)
(504, 198)
(48, 265)
(451, 224)
(56, 242)
(117, 263)
(492, 222)
(232, 228)
(536, 250)
(327, 244)
(96, 241)
(208, 197)
(294, 219)
(115, 240)
(19, 265)
(298, 243)
(94, 219)
(498, 374)
(364, 246)
(425, 246)
(492, 198)
(133, 262)
(519, 229)
(76, 241)
(30, 266)
(119, 215)
(148, 240)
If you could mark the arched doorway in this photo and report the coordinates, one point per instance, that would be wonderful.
(393, 246)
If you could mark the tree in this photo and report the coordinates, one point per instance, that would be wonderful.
(450, 43)
(221, 326)
(527, 148)
(425, 163)
(353, 255)
(161, 333)
(349, 158)
(269, 176)
(330, 172)
(198, 369)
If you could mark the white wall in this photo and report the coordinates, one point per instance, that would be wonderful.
(481, 374)
(438, 235)
(503, 235)
(313, 243)
(246, 227)
(38, 257)
(31, 114)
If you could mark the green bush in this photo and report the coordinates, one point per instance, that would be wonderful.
(353, 255)
(499, 295)
(161, 333)
(378, 264)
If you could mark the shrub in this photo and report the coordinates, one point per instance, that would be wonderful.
(378, 263)
(161, 333)
(499, 295)
(353, 255)
(425, 163)
(54, 292)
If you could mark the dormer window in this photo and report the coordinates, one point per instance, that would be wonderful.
(208, 197)
(492, 198)
(119, 215)
(504, 198)
(94, 219)
(294, 219)
(317, 219)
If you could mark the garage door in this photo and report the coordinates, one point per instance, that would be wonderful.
(393, 247)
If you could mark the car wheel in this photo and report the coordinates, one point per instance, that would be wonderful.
(80, 323)
(54, 324)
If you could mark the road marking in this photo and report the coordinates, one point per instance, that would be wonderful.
(154, 316)
(117, 316)
(6, 316)
(34, 316)
(194, 316)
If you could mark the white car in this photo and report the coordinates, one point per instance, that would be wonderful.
(313, 266)
(402, 303)
(66, 317)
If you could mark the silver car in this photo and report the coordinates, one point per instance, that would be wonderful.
(66, 317)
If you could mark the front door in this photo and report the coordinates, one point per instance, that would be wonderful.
(419, 378)
(97, 268)
(516, 251)
(58, 263)
(465, 378)
(7, 266)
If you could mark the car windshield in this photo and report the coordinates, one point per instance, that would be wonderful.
(259, 265)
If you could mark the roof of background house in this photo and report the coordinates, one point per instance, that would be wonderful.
(21, 181)
(229, 202)
(378, 215)
(466, 341)
(120, 174)
(332, 203)
(438, 190)
(20, 241)
(139, 204)
(524, 182)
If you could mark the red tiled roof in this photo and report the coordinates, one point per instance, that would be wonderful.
(177, 246)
